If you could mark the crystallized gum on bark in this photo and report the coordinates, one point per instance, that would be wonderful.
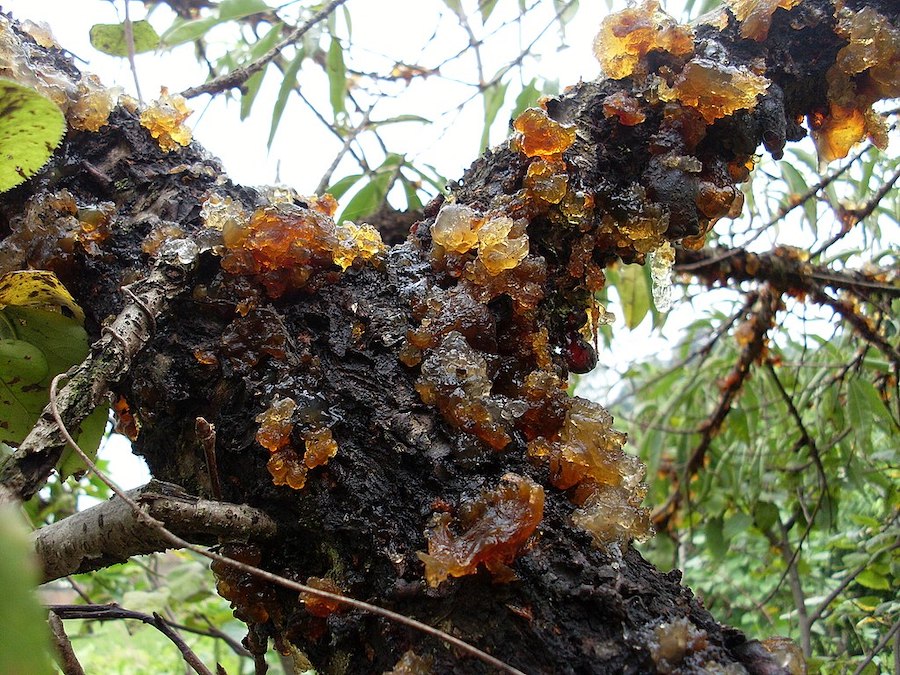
(492, 530)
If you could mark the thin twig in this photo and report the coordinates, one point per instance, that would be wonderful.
(881, 645)
(67, 659)
(237, 77)
(112, 611)
(128, 29)
(345, 148)
(178, 542)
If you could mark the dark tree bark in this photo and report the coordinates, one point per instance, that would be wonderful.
(349, 348)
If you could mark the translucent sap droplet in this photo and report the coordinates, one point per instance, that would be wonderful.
(661, 262)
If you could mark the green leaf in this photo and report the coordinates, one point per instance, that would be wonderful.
(251, 87)
(287, 86)
(566, 13)
(61, 343)
(715, 541)
(798, 186)
(109, 38)
(370, 198)
(486, 7)
(24, 639)
(864, 404)
(88, 435)
(455, 6)
(527, 98)
(493, 100)
(398, 119)
(765, 515)
(339, 189)
(634, 293)
(238, 9)
(337, 77)
(31, 126)
(187, 31)
(413, 203)
(871, 579)
(736, 524)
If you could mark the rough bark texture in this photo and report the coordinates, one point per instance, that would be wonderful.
(228, 346)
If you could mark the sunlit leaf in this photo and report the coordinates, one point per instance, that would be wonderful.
(339, 189)
(370, 198)
(337, 77)
(38, 289)
(31, 126)
(110, 38)
(634, 294)
(238, 9)
(493, 100)
(287, 86)
(871, 579)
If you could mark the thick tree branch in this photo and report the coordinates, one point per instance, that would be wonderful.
(112, 532)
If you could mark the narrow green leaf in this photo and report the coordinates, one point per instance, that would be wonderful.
(527, 98)
(715, 542)
(109, 38)
(287, 86)
(413, 203)
(736, 524)
(370, 198)
(89, 434)
(634, 294)
(337, 77)
(251, 87)
(486, 7)
(339, 189)
(31, 126)
(181, 31)
(398, 119)
(566, 13)
(798, 186)
(866, 405)
(455, 6)
(238, 9)
(493, 100)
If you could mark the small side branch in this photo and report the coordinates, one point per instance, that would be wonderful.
(27, 468)
(237, 77)
(755, 331)
(65, 655)
(112, 611)
(112, 532)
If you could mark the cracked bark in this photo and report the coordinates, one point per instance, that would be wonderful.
(334, 345)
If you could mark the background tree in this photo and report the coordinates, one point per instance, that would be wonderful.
(794, 453)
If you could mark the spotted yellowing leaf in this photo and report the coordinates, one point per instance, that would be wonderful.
(31, 126)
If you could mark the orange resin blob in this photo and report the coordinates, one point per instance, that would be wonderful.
(412, 664)
(626, 37)
(756, 15)
(275, 424)
(497, 250)
(164, 119)
(320, 447)
(626, 108)
(92, 104)
(456, 228)
(316, 604)
(713, 89)
(547, 180)
(492, 530)
(287, 468)
(538, 135)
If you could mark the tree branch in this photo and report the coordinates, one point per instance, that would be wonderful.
(112, 532)
(238, 76)
(68, 661)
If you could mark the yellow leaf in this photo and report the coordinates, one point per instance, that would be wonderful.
(37, 289)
